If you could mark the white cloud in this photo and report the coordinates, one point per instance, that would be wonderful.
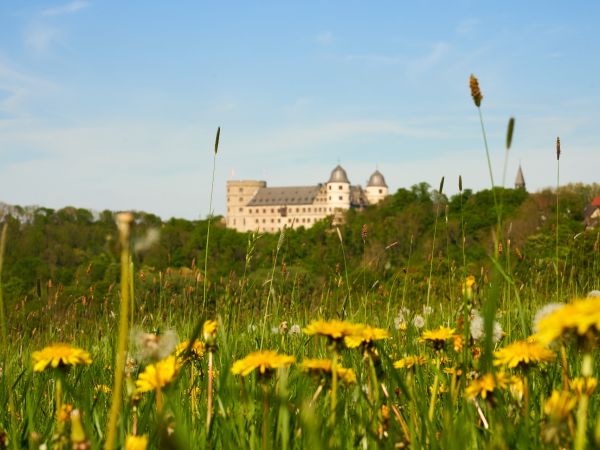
(40, 37)
(68, 8)
(325, 38)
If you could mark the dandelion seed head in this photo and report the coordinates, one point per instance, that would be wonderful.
(543, 312)
(418, 321)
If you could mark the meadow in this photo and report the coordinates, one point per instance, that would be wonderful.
(469, 337)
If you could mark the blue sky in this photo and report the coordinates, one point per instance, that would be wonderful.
(113, 104)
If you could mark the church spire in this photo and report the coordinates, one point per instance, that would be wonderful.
(520, 179)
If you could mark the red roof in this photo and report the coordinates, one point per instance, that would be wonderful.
(596, 201)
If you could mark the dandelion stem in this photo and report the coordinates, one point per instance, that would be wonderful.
(582, 410)
(124, 221)
(210, 391)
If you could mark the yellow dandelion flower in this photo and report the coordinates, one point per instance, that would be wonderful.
(516, 387)
(366, 335)
(209, 330)
(523, 353)
(580, 317)
(470, 282)
(136, 442)
(322, 367)
(333, 329)
(453, 371)
(197, 350)
(438, 337)
(103, 388)
(486, 385)
(559, 405)
(457, 342)
(65, 412)
(263, 360)
(584, 385)
(158, 375)
(409, 362)
(59, 355)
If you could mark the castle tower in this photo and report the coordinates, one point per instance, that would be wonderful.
(239, 193)
(377, 189)
(338, 189)
(520, 179)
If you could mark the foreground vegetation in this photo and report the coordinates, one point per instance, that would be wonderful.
(423, 322)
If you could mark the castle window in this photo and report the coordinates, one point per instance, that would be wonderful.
(340, 187)
(272, 220)
(272, 210)
(340, 197)
(278, 220)
(241, 209)
(303, 209)
(329, 187)
(264, 211)
(241, 199)
(256, 220)
(381, 191)
(264, 220)
(330, 197)
(308, 209)
(241, 189)
(297, 209)
(227, 199)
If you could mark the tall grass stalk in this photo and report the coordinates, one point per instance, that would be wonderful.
(557, 216)
(209, 219)
(124, 221)
(269, 294)
(437, 214)
(339, 234)
(6, 377)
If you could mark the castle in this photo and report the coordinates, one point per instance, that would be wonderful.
(252, 206)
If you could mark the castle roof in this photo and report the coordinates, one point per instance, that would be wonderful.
(376, 180)
(338, 175)
(292, 195)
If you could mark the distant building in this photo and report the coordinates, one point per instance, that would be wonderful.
(591, 214)
(520, 179)
(252, 206)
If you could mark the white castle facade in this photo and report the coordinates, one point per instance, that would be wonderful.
(252, 206)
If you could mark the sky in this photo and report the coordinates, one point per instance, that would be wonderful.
(108, 104)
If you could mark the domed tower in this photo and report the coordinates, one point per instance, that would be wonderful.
(377, 190)
(338, 189)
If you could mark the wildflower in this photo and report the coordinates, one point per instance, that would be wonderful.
(438, 337)
(136, 442)
(427, 310)
(365, 335)
(263, 360)
(197, 349)
(476, 328)
(418, 321)
(65, 412)
(59, 355)
(322, 367)
(400, 322)
(457, 342)
(209, 331)
(543, 312)
(584, 385)
(559, 405)
(333, 329)
(593, 294)
(283, 327)
(516, 388)
(523, 353)
(274, 330)
(252, 328)
(154, 347)
(158, 375)
(103, 388)
(485, 385)
(580, 317)
(409, 362)
(295, 330)
(468, 286)
(453, 371)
